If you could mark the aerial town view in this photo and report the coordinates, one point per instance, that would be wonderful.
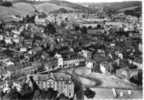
(70, 50)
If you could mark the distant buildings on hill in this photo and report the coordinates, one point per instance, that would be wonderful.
(21, 0)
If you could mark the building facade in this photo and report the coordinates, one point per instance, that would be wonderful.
(62, 84)
(74, 63)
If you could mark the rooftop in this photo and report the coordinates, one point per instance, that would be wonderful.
(54, 76)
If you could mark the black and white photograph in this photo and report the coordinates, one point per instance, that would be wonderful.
(71, 50)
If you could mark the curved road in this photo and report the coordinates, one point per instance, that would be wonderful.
(102, 92)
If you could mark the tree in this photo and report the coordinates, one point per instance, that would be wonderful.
(50, 28)
(7, 4)
(98, 26)
(30, 19)
(37, 95)
(49, 94)
(90, 27)
(89, 93)
(135, 12)
(62, 10)
(76, 28)
(78, 89)
(84, 30)
(62, 97)
(14, 95)
(41, 68)
(1, 26)
(137, 79)
(63, 24)
(110, 11)
(35, 86)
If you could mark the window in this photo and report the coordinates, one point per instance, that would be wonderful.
(69, 82)
(70, 94)
(37, 82)
(48, 84)
(44, 84)
(41, 84)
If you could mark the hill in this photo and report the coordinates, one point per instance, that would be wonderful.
(23, 8)
(114, 5)
(61, 3)
(18, 9)
(68, 4)
(49, 7)
(132, 6)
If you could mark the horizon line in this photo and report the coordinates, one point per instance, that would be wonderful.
(101, 1)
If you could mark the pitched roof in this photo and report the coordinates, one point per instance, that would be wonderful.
(53, 76)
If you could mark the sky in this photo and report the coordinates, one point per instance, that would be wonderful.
(97, 1)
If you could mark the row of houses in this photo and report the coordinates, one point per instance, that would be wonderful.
(66, 64)
(58, 18)
(74, 62)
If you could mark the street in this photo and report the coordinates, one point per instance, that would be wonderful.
(103, 89)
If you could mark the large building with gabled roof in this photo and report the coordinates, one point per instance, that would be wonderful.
(60, 82)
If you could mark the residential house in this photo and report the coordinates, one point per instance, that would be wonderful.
(86, 54)
(89, 65)
(92, 25)
(28, 70)
(60, 60)
(40, 21)
(106, 67)
(51, 64)
(140, 47)
(123, 73)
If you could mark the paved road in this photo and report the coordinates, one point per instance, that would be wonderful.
(101, 92)
(105, 92)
